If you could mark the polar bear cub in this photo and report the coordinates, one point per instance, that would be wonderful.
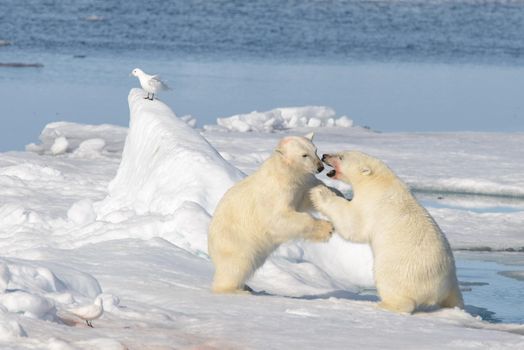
(264, 210)
(413, 262)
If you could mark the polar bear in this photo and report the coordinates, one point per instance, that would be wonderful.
(413, 262)
(263, 211)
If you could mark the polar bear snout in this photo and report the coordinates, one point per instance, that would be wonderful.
(328, 159)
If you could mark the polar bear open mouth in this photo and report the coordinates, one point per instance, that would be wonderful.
(332, 173)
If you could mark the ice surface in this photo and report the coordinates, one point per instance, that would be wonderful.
(10, 329)
(91, 148)
(66, 238)
(82, 212)
(5, 276)
(80, 137)
(59, 146)
(189, 120)
(518, 275)
(281, 119)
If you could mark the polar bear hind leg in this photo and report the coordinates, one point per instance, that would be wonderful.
(231, 275)
(454, 299)
(399, 304)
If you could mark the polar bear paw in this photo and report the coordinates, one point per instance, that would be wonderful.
(322, 231)
(319, 195)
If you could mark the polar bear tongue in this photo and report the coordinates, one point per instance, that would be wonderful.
(331, 173)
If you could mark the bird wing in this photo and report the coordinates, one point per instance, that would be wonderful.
(87, 311)
(156, 83)
(81, 310)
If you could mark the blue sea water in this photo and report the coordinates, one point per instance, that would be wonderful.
(305, 30)
(392, 65)
(487, 291)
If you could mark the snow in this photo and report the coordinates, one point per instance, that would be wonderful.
(91, 148)
(59, 145)
(166, 165)
(91, 136)
(35, 291)
(189, 120)
(31, 172)
(281, 119)
(126, 219)
(10, 329)
(82, 212)
(5, 276)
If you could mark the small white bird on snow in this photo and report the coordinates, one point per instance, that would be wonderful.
(150, 83)
(89, 312)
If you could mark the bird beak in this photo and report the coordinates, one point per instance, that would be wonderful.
(131, 74)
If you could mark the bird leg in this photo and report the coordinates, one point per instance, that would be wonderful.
(152, 97)
(89, 323)
(147, 97)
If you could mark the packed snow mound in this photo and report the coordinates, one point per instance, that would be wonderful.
(189, 120)
(31, 172)
(39, 290)
(85, 140)
(66, 137)
(165, 164)
(10, 329)
(282, 119)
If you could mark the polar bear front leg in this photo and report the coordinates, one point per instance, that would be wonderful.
(341, 213)
(307, 205)
(294, 225)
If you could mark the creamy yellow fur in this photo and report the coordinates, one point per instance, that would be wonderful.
(264, 210)
(413, 262)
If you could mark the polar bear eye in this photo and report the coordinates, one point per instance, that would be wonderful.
(304, 156)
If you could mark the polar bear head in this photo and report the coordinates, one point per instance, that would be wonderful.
(300, 154)
(355, 167)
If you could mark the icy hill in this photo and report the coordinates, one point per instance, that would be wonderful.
(166, 164)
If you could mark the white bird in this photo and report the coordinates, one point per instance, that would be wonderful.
(89, 312)
(150, 83)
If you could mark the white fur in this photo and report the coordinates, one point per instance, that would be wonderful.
(413, 262)
(264, 210)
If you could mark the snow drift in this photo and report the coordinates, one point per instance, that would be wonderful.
(40, 290)
(154, 175)
(282, 119)
(66, 137)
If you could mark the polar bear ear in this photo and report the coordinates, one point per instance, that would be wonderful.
(310, 136)
(282, 143)
(366, 170)
(281, 147)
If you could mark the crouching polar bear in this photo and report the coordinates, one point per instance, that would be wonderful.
(413, 262)
(262, 211)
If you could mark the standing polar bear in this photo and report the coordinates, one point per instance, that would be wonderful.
(413, 262)
(263, 211)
